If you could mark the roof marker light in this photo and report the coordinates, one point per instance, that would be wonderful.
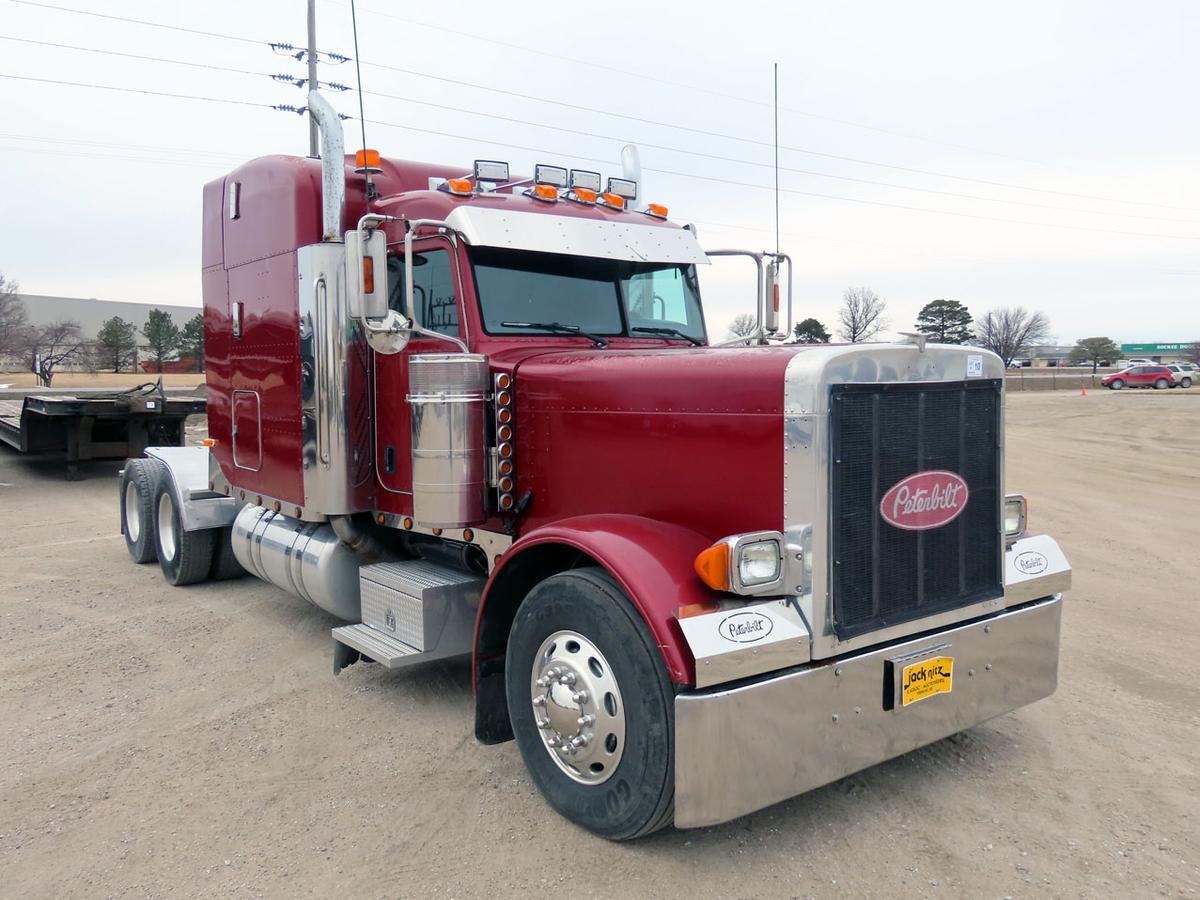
(616, 201)
(582, 195)
(657, 210)
(553, 175)
(623, 187)
(582, 178)
(460, 187)
(367, 161)
(545, 192)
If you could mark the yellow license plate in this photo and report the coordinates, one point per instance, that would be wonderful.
(924, 679)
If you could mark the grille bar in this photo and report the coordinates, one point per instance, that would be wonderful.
(882, 575)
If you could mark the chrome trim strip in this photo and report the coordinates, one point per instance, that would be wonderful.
(744, 748)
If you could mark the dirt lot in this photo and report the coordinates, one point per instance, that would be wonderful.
(194, 742)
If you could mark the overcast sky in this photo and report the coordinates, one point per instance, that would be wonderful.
(1074, 123)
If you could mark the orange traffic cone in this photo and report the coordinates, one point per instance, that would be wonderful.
(1083, 392)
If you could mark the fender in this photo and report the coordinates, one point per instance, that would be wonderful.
(651, 560)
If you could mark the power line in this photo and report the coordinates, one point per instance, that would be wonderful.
(43, 151)
(105, 144)
(138, 56)
(458, 32)
(626, 116)
(744, 140)
(525, 122)
(602, 160)
(750, 162)
(125, 90)
(88, 12)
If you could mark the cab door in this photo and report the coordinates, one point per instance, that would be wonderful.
(437, 296)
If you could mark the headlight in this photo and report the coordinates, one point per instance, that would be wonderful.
(758, 563)
(1016, 515)
(744, 564)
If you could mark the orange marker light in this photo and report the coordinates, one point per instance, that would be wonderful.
(210, 442)
(368, 275)
(697, 609)
(504, 432)
(503, 380)
(460, 186)
(506, 467)
(504, 398)
(583, 195)
(712, 565)
(504, 415)
(408, 522)
(616, 201)
(657, 209)
(366, 159)
(547, 192)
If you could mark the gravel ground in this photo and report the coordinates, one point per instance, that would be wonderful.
(194, 742)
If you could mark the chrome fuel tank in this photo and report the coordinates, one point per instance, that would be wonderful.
(304, 558)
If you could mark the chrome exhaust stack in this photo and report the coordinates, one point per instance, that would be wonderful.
(333, 166)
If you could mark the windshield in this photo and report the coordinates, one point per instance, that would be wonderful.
(601, 296)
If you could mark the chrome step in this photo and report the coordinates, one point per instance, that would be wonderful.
(385, 650)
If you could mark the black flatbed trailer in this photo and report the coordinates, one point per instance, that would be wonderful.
(115, 425)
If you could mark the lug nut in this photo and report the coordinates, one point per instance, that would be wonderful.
(567, 679)
(582, 741)
(585, 721)
(551, 742)
(580, 696)
(539, 700)
(543, 681)
(543, 723)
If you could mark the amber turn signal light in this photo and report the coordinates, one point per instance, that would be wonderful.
(368, 275)
(712, 565)
(616, 201)
(460, 186)
(657, 209)
(547, 192)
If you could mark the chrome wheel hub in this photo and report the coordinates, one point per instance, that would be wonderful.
(577, 707)
(166, 527)
(133, 512)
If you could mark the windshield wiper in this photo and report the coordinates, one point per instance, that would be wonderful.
(696, 342)
(558, 328)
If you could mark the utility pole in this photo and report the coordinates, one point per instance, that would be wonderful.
(312, 74)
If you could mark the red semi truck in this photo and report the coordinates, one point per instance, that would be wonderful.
(472, 415)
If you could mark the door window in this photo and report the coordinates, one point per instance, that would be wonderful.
(435, 291)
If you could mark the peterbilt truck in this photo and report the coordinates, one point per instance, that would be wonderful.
(476, 415)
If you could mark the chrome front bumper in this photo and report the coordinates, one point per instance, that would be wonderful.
(739, 749)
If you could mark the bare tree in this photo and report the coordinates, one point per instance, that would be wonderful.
(58, 344)
(13, 318)
(862, 315)
(1009, 331)
(743, 325)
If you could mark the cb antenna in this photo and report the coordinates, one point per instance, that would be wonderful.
(313, 147)
(362, 119)
(777, 154)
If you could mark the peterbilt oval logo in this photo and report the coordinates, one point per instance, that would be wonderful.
(745, 627)
(924, 500)
(1031, 563)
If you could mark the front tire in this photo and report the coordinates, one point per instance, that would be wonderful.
(139, 484)
(599, 743)
(185, 557)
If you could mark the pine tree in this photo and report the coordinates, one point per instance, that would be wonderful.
(118, 342)
(946, 322)
(162, 336)
(810, 331)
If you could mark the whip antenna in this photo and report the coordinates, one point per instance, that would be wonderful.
(777, 154)
(362, 119)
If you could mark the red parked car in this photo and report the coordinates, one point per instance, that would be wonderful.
(1159, 377)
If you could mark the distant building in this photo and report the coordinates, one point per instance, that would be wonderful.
(1047, 356)
(91, 313)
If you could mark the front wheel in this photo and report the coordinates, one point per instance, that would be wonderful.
(591, 706)
(1161, 384)
(1116, 384)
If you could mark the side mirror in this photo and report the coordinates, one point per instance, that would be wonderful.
(367, 280)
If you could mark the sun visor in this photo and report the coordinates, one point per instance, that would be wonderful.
(576, 236)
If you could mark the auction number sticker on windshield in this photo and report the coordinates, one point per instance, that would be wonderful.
(924, 679)
(975, 366)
